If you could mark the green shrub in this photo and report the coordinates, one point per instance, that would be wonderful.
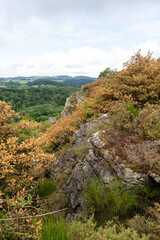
(45, 187)
(145, 122)
(80, 151)
(88, 231)
(82, 230)
(114, 201)
(149, 193)
(55, 229)
(122, 116)
(100, 126)
(111, 233)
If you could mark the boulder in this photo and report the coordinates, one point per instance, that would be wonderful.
(52, 120)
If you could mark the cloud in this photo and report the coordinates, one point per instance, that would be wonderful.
(88, 61)
(151, 46)
(73, 36)
(81, 61)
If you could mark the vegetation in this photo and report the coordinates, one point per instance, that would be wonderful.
(145, 122)
(40, 102)
(55, 229)
(62, 80)
(87, 230)
(131, 98)
(107, 72)
(45, 187)
(138, 82)
(108, 203)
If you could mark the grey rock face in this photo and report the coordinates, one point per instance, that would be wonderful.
(75, 98)
(110, 154)
(52, 120)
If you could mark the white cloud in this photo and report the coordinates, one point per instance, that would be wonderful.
(47, 37)
(151, 46)
(88, 61)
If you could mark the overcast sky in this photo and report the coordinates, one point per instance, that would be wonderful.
(75, 37)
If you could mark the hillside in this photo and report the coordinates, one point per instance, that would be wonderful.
(99, 164)
(39, 102)
(61, 80)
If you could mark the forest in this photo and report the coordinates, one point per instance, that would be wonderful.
(39, 161)
(39, 102)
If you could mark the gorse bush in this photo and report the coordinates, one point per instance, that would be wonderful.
(113, 201)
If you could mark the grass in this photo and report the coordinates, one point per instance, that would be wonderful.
(45, 187)
(55, 229)
(107, 203)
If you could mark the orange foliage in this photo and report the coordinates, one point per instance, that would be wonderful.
(60, 132)
(139, 82)
(22, 161)
(7, 116)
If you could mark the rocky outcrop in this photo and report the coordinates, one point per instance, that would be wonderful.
(109, 154)
(52, 120)
(72, 101)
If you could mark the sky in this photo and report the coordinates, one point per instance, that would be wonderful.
(75, 37)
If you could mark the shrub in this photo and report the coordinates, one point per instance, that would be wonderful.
(58, 134)
(111, 233)
(148, 121)
(45, 187)
(80, 151)
(122, 116)
(88, 231)
(138, 82)
(7, 120)
(114, 201)
(145, 122)
(142, 225)
(82, 230)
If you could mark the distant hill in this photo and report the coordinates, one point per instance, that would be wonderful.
(60, 80)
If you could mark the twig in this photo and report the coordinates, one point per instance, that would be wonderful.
(39, 215)
(33, 208)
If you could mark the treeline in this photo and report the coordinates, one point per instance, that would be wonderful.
(74, 82)
(78, 82)
(62, 80)
(40, 102)
(45, 82)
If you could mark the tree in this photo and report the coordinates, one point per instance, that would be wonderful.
(106, 72)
